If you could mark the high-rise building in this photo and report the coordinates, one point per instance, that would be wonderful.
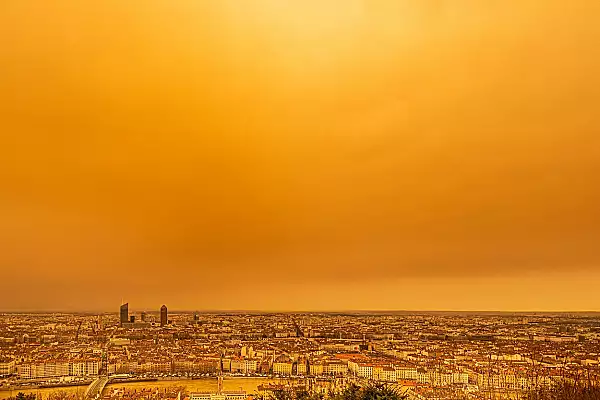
(163, 316)
(124, 313)
(143, 316)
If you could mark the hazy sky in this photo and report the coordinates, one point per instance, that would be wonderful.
(310, 154)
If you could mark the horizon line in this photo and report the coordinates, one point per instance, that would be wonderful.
(331, 311)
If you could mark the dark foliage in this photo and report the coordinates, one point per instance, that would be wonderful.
(351, 392)
(567, 391)
(380, 392)
(293, 394)
(23, 396)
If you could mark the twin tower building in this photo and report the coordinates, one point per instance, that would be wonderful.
(127, 321)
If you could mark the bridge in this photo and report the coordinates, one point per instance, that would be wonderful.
(94, 391)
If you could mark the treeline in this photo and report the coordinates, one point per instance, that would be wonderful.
(56, 395)
(577, 390)
(352, 392)
(23, 396)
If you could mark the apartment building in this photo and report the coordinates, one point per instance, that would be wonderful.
(315, 368)
(7, 367)
(361, 369)
(511, 380)
(243, 365)
(302, 367)
(58, 369)
(43, 370)
(282, 366)
(385, 374)
(335, 368)
(406, 373)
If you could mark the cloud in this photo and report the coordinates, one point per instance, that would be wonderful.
(432, 141)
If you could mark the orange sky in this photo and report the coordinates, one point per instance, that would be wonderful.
(349, 154)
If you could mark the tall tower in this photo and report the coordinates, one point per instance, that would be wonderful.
(124, 313)
(164, 317)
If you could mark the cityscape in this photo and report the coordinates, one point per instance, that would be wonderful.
(427, 355)
(299, 200)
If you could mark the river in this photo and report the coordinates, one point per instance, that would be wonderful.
(196, 385)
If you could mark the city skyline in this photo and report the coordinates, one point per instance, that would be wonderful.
(145, 311)
(301, 155)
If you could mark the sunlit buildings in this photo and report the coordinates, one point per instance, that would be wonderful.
(7, 366)
(282, 366)
(449, 352)
(58, 369)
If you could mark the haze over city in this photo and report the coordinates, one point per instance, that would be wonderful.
(309, 155)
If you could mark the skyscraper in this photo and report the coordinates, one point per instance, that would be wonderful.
(163, 316)
(124, 311)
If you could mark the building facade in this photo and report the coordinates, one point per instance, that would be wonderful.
(164, 316)
(124, 313)
(58, 369)
(7, 367)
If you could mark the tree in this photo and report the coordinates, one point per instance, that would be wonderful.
(293, 394)
(575, 390)
(380, 391)
(376, 391)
